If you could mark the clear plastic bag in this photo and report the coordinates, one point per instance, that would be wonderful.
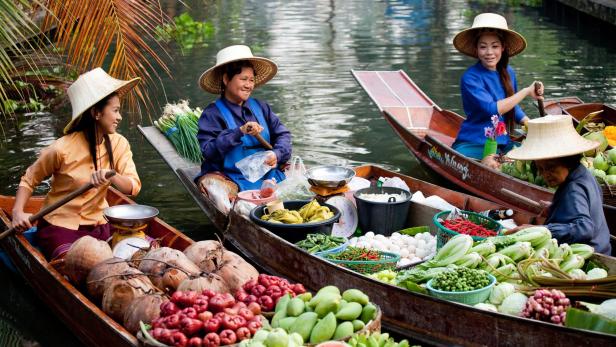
(253, 167)
(219, 196)
(395, 182)
(295, 186)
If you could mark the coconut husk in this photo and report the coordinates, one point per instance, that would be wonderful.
(82, 256)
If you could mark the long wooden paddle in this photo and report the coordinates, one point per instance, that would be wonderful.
(261, 140)
(47, 209)
(539, 101)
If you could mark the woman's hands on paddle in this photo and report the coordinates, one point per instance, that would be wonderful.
(98, 178)
(251, 128)
(21, 221)
(536, 94)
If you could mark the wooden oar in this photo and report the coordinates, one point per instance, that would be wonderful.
(539, 101)
(537, 204)
(261, 140)
(47, 209)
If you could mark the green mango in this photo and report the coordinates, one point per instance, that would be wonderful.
(350, 311)
(324, 329)
(358, 325)
(286, 323)
(277, 338)
(368, 313)
(303, 324)
(295, 307)
(343, 330)
(355, 295)
(328, 304)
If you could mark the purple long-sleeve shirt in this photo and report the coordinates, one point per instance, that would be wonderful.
(216, 139)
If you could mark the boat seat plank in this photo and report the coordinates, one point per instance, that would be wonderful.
(392, 89)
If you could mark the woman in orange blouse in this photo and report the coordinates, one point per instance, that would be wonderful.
(89, 149)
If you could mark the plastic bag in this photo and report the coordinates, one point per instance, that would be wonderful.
(253, 167)
(219, 196)
(295, 186)
(243, 207)
(395, 182)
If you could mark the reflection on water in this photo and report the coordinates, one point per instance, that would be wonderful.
(316, 44)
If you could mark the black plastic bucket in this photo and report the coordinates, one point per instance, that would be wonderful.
(382, 217)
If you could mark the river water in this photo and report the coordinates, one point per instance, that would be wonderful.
(316, 44)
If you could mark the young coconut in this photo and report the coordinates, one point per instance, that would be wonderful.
(102, 274)
(172, 278)
(82, 256)
(206, 254)
(137, 256)
(144, 308)
(205, 281)
(121, 291)
(156, 262)
(236, 271)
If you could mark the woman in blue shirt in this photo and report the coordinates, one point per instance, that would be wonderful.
(576, 212)
(228, 126)
(489, 87)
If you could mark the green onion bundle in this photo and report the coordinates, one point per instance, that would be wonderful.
(179, 124)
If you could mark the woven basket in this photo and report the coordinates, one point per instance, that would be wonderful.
(609, 194)
(444, 234)
(388, 261)
(471, 297)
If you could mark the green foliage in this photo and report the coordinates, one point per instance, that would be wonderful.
(187, 32)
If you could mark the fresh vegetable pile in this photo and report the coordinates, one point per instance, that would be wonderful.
(179, 123)
(463, 226)
(356, 254)
(461, 279)
(547, 305)
(412, 249)
(266, 290)
(207, 318)
(320, 242)
(375, 339)
(312, 212)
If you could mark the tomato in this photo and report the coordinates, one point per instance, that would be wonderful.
(267, 303)
(195, 342)
(212, 325)
(173, 321)
(246, 313)
(255, 308)
(258, 290)
(248, 285)
(250, 298)
(190, 326)
(168, 308)
(211, 340)
(227, 337)
(254, 325)
(190, 312)
(204, 316)
(243, 333)
(233, 322)
(178, 339)
(298, 288)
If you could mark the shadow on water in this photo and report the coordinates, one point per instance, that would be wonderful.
(316, 44)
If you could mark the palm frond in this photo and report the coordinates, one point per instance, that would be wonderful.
(89, 30)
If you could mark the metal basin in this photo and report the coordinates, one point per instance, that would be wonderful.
(329, 176)
(130, 214)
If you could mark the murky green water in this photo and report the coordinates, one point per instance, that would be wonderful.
(316, 44)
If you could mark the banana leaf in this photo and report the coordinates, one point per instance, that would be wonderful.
(580, 319)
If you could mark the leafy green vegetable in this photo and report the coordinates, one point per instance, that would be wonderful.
(580, 319)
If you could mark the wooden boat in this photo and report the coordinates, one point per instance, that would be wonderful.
(429, 131)
(421, 317)
(87, 321)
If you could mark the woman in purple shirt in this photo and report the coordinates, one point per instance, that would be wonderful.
(228, 127)
(489, 87)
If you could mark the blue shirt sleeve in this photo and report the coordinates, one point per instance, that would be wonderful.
(214, 138)
(519, 114)
(574, 222)
(477, 98)
(280, 136)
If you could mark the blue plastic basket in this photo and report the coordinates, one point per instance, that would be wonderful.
(470, 297)
(334, 250)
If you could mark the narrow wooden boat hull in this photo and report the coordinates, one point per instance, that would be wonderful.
(86, 320)
(429, 131)
(421, 317)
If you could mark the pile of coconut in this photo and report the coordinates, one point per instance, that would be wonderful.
(132, 290)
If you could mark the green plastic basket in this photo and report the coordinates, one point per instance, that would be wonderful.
(444, 234)
(388, 261)
(471, 297)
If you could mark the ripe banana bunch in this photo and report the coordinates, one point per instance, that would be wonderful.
(283, 216)
(322, 213)
(308, 210)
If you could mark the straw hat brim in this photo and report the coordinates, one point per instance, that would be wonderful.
(122, 89)
(265, 70)
(464, 41)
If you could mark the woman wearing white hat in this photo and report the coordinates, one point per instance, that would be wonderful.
(489, 87)
(225, 125)
(576, 213)
(89, 149)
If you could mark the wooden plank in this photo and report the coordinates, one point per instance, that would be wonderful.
(392, 89)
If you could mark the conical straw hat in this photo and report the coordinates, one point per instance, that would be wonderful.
(465, 40)
(552, 136)
(92, 87)
(265, 69)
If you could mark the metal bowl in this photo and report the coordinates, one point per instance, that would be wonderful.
(130, 214)
(329, 176)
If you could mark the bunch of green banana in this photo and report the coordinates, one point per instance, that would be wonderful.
(322, 213)
(309, 209)
(283, 216)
